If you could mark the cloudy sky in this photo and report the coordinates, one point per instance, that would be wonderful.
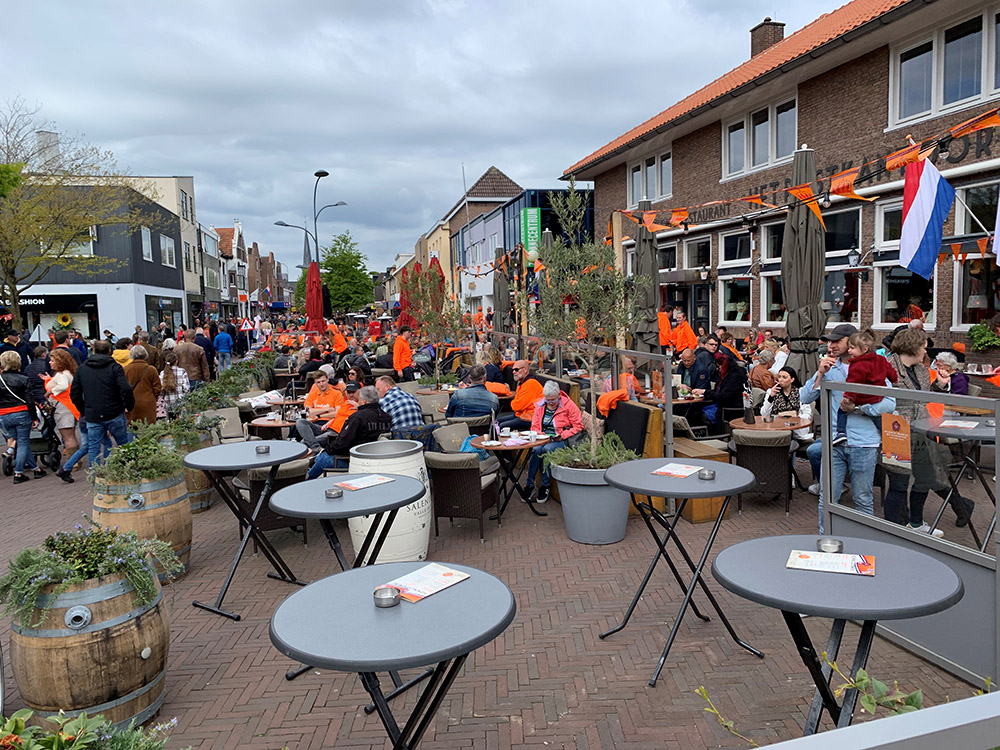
(391, 97)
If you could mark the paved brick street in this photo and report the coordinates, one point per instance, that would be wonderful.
(548, 681)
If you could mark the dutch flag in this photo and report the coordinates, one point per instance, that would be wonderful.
(927, 199)
(268, 290)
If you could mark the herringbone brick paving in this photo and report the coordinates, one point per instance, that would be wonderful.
(547, 682)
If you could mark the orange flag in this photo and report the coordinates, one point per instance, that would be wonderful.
(677, 216)
(982, 245)
(955, 248)
(805, 194)
(843, 184)
(647, 221)
(982, 121)
(904, 156)
(759, 200)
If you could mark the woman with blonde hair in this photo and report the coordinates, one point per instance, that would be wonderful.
(57, 387)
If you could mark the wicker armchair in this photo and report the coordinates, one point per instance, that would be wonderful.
(458, 489)
(476, 425)
(431, 406)
(449, 440)
(770, 456)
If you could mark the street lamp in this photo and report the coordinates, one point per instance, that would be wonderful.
(319, 175)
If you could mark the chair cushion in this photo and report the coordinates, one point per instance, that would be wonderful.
(762, 439)
(452, 461)
(287, 470)
(719, 445)
(485, 480)
(451, 436)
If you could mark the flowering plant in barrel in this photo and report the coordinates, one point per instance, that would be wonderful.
(72, 557)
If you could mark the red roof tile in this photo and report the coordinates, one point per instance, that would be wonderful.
(492, 184)
(824, 29)
(225, 241)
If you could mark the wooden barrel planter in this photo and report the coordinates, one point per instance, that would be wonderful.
(200, 492)
(157, 509)
(95, 650)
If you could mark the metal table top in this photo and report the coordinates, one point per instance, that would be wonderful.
(237, 456)
(638, 477)
(306, 499)
(334, 623)
(982, 432)
(906, 583)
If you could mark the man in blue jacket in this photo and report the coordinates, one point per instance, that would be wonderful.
(224, 346)
(694, 372)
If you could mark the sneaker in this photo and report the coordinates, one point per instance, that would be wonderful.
(39, 473)
(543, 495)
(814, 489)
(925, 528)
(529, 490)
(839, 439)
(66, 476)
(21, 478)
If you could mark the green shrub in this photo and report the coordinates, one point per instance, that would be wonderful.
(983, 337)
(610, 451)
(145, 458)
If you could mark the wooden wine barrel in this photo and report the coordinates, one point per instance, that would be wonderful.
(157, 509)
(95, 650)
(200, 492)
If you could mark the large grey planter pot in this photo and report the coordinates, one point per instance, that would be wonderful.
(595, 513)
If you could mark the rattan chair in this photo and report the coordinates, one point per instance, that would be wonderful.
(450, 438)
(459, 490)
(476, 425)
(769, 455)
(431, 404)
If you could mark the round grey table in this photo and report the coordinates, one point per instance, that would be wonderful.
(906, 584)
(983, 432)
(334, 624)
(637, 478)
(217, 461)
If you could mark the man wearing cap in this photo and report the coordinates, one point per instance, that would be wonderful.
(13, 343)
(859, 454)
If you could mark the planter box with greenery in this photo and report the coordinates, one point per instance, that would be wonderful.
(88, 624)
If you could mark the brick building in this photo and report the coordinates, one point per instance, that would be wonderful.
(853, 85)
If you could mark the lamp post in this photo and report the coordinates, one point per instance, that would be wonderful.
(319, 174)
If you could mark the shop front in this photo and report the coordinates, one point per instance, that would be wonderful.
(54, 311)
(169, 310)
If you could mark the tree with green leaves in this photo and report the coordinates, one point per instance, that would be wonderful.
(344, 272)
(54, 191)
(299, 298)
(583, 293)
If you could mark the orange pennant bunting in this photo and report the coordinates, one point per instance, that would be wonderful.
(843, 184)
(678, 216)
(941, 257)
(982, 245)
(805, 194)
(982, 121)
(955, 248)
(904, 156)
(759, 200)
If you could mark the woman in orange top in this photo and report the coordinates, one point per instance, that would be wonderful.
(402, 355)
(66, 415)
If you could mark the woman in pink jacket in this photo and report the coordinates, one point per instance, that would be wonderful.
(559, 418)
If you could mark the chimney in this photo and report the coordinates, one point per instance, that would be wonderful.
(765, 34)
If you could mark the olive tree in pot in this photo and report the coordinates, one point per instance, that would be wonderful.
(584, 303)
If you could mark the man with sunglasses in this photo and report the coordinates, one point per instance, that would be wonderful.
(528, 393)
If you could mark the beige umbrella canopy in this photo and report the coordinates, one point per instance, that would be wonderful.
(802, 266)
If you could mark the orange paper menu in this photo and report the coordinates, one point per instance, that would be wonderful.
(676, 470)
(832, 562)
(896, 438)
(427, 580)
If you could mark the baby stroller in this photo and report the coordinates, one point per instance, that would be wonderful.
(46, 443)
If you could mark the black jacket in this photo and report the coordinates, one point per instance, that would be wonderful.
(21, 348)
(38, 367)
(363, 426)
(15, 391)
(100, 390)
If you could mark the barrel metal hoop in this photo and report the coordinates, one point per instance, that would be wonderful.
(94, 710)
(93, 627)
(85, 596)
(128, 489)
(130, 509)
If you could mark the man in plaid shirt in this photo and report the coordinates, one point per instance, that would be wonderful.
(403, 407)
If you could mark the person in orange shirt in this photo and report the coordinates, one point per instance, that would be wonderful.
(627, 380)
(402, 355)
(346, 409)
(339, 342)
(665, 330)
(683, 336)
(321, 400)
(478, 319)
(527, 395)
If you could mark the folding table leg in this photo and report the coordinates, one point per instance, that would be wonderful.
(860, 660)
(832, 651)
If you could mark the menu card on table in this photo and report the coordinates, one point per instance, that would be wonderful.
(427, 580)
(959, 424)
(360, 483)
(676, 470)
(832, 562)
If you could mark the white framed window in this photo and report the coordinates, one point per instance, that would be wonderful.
(772, 235)
(735, 248)
(211, 278)
(772, 300)
(698, 253)
(888, 225)
(901, 296)
(736, 299)
(167, 257)
(211, 245)
(977, 280)
(84, 246)
(666, 257)
(630, 261)
(841, 297)
(147, 243)
(760, 139)
(843, 231)
(954, 66)
(184, 205)
(651, 179)
(187, 256)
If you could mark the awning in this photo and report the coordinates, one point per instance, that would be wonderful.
(279, 305)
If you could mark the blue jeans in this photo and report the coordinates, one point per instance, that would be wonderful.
(860, 462)
(535, 462)
(97, 432)
(325, 461)
(814, 452)
(17, 426)
(514, 422)
(225, 360)
(84, 448)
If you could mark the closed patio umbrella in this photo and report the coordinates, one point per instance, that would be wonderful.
(802, 265)
(645, 330)
(314, 300)
(501, 298)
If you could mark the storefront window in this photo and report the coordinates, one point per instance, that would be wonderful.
(843, 230)
(774, 300)
(666, 257)
(905, 296)
(736, 247)
(736, 300)
(982, 201)
(840, 297)
(773, 235)
(699, 253)
(980, 295)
